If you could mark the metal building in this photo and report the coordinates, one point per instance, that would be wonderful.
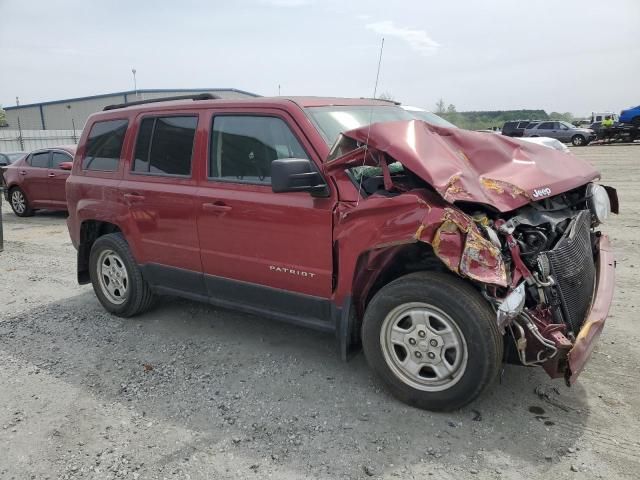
(71, 114)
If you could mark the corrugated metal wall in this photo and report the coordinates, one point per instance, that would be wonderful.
(65, 114)
(29, 118)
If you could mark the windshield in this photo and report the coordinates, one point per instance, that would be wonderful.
(333, 120)
(568, 125)
(431, 118)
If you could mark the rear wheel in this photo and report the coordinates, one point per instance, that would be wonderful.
(116, 278)
(19, 203)
(578, 141)
(433, 340)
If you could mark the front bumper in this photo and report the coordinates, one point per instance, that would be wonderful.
(592, 327)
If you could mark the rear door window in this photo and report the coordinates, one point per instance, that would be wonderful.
(165, 145)
(58, 158)
(40, 160)
(104, 145)
(243, 147)
(546, 126)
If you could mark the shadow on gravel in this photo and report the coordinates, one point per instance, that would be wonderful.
(280, 392)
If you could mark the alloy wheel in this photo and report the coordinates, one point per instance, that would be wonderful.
(423, 346)
(18, 202)
(113, 277)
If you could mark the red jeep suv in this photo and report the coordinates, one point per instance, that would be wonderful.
(442, 252)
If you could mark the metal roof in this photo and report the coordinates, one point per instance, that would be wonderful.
(133, 92)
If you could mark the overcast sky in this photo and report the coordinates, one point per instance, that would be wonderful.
(568, 55)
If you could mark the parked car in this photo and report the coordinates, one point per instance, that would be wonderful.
(37, 180)
(7, 158)
(514, 128)
(563, 131)
(438, 249)
(631, 115)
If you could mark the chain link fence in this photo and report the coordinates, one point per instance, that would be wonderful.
(19, 140)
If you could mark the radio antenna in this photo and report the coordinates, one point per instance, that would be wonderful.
(366, 145)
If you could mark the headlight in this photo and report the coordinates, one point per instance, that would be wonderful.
(598, 202)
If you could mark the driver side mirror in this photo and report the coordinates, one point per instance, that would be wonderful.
(66, 166)
(297, 175)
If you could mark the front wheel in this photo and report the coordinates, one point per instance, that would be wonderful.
(433, 340)
(578, 141)
(116, 278)
(19, 203)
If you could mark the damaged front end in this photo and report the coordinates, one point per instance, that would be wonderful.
(546, 270)
(561, 279)
(519, 221)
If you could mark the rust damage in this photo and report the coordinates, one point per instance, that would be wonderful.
(503, 187)
(454, 189)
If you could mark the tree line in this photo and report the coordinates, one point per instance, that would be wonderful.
(484, 119)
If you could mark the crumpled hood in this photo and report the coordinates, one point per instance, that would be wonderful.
(474, 166)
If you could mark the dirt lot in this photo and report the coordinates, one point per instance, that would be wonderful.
(190, 391)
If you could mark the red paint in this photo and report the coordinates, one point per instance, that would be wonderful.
(44, 187)
(342, 242)
(473, 166)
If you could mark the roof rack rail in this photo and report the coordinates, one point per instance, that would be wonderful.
(388, 100)
(199, 96)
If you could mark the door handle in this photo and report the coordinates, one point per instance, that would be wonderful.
(23, 172)
(133, 197)
(51, 175)
(216, 207)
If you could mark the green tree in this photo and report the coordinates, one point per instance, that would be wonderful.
(566, 116)
(451, 108)
(440, 106)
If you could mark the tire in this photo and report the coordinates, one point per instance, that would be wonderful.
(19, 203)
(578, 141)
(116, 278)
(392, 326)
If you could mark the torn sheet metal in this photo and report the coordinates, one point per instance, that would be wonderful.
(461, 246)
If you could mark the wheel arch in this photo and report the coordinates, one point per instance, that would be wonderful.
(90, 231)
(377, 268)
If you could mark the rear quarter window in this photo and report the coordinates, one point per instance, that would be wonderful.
(104, 145)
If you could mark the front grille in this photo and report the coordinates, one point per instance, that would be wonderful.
(574, 270)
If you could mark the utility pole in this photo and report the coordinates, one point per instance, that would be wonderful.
(278, 89)
(135, 83)
(17, 101)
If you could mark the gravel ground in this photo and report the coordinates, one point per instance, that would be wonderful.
(191, 391)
